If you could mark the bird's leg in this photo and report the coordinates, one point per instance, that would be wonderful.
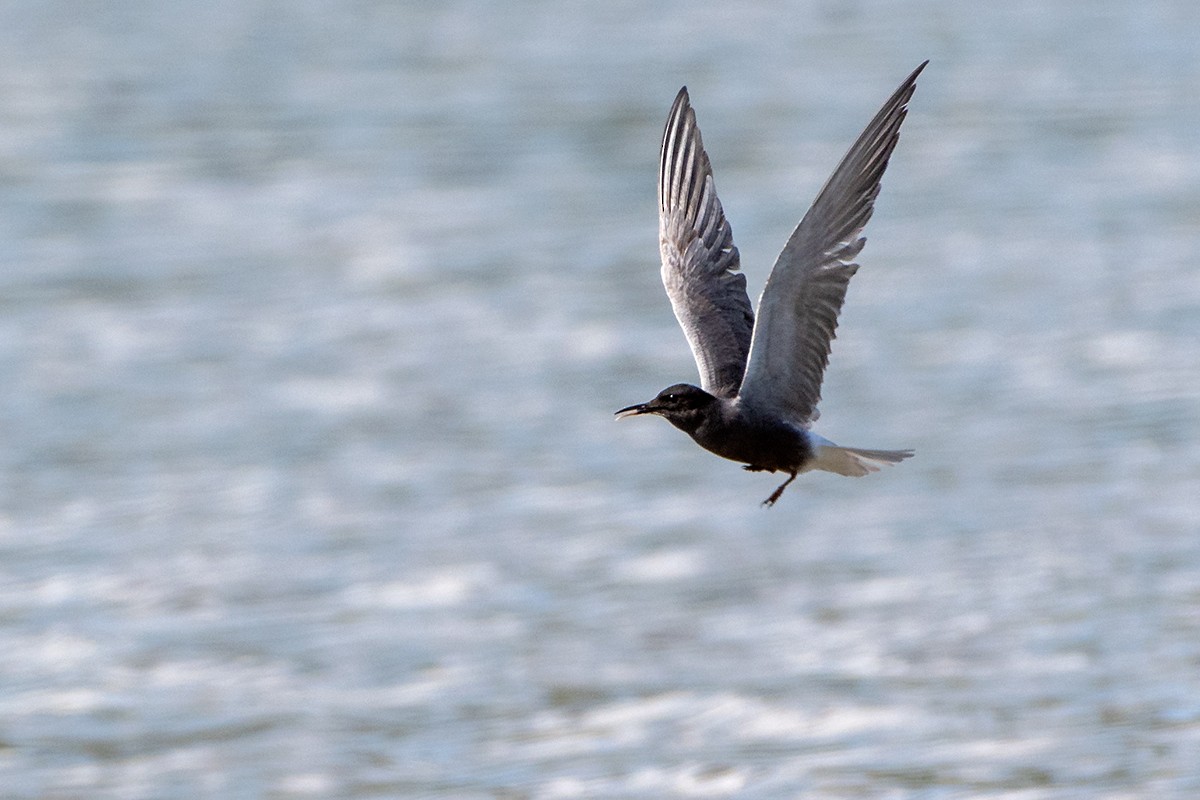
(756, 468)
(775, 495)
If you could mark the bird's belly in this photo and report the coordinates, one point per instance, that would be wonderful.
(773, 448)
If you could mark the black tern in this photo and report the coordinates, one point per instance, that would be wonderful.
(760, 382)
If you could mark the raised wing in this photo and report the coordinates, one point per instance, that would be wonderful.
(699, 260)
(798, 310)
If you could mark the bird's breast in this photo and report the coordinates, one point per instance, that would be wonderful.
(766, 444)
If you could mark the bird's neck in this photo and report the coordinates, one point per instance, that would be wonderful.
(693, 421)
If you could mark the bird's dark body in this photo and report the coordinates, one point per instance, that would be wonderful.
(760, 444)
(730, 430)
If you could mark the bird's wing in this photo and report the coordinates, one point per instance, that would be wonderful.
(798, 310)
(699, 260)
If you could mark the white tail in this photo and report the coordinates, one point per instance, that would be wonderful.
(853, 461)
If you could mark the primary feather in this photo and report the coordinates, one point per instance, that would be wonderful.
(799, 306)
(699, 260)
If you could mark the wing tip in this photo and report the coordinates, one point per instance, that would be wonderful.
(912, 76)
(684, 170)
(682, 101)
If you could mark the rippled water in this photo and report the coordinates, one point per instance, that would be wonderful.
(312, 321)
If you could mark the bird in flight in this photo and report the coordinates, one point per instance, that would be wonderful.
(760, 380)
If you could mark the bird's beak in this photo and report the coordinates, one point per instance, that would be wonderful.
(633, 411)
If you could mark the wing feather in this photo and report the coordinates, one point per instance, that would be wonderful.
(700, 263)
(799, 306)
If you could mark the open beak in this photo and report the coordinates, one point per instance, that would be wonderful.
(633, 411)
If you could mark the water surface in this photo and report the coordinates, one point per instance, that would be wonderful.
(312, 321)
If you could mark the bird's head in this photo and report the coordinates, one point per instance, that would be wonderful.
(683, 405)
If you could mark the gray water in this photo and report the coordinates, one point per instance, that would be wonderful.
(313, 318)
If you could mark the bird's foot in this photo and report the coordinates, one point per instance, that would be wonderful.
(775, 495)
(755, 468)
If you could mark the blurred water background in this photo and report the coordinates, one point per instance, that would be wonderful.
(313, 317)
